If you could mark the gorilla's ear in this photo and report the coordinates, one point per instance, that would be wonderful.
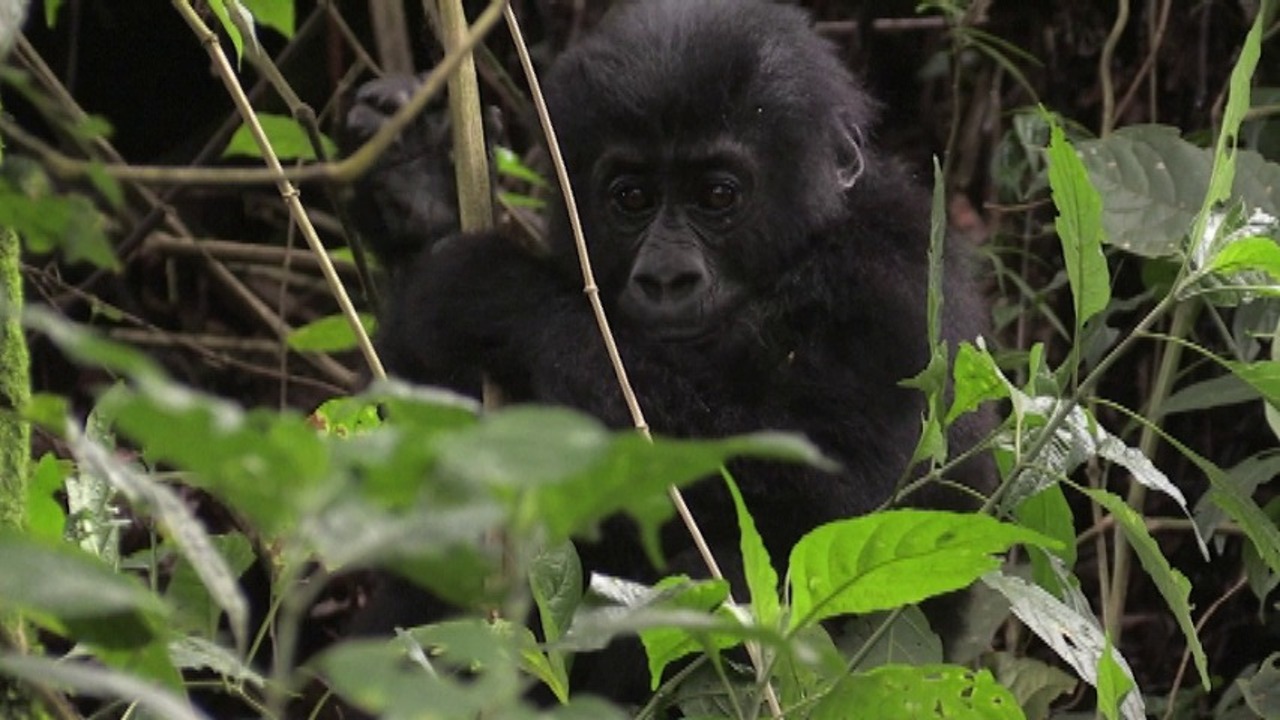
(847, 139)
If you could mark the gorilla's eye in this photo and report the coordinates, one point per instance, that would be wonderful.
(718, 196)
(631, 198)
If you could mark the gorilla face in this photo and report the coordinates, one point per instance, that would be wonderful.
(675, 219)
(710, 146)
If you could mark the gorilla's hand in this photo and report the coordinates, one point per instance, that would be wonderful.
(407, 201)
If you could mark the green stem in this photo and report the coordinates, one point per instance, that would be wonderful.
(1122, 553)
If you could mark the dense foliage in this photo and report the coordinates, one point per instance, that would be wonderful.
(183, 550)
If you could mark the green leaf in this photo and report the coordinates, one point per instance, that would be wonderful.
(331, 333)
(1048, 512)
(1173, 585)
(1251, 253)
(762, 578)
(78, 592)
(1263, 376)
(288, 139)
(1223, 175)
(46, 519)
(180, 525)
(95, 681)
(634, 608)
(197, 608)
(1262, 691)
(1262, 580)
(1034, 684)
(275, 14)
(1075, 637)
(906, 692)
(508, 163)
(464, 668)
(665, 645)
(270, 466)
(221, 11)
(345, 416)
(555, 579)
(1079, 226)
(67, 223)
(1113, 683)
(1153, 184)
(562, 471)
(977, 380)
(51, 8)
(907, 641)
(522, 447)
(87, 347)
(887, 559)
(1231, 494)
(445, 549)
(937, 252)
(194, 653)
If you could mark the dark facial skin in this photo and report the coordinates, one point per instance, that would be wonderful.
(676, 218)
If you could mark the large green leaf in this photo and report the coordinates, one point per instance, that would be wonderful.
(78, 592)
(1153, 183)
(1070, 632)
(888, 559)
(97, 681)
(564, 472)
(459, 669)
(1173, 585)
(1079, 226)
(910, 692)
(762, 578)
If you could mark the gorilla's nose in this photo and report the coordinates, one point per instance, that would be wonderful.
(669, 276)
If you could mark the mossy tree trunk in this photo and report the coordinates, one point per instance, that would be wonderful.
(15, 444)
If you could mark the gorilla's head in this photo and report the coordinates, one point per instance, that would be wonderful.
(707, 142)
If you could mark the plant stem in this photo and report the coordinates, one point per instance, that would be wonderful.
(1122, 553)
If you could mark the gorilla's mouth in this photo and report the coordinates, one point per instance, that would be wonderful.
(698, 322)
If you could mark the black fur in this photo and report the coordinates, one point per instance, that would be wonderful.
(799, 309)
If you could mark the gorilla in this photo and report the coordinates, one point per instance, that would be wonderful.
(762, 265)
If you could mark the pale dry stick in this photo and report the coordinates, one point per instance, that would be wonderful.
(287, 191)
(470, 160)
(391, 36)
(470, 153)
(345, 170)
(232, 251)
(592, 291)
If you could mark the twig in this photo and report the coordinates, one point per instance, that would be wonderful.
(287, 190)
(345, 170)
(233, 251)
(1105, 58)
(151, 334)
(1149, 62)
(1186, 653)
(592, 291)
(161, 212)
(390, 34)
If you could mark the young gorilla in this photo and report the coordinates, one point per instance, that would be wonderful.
(762, 269)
